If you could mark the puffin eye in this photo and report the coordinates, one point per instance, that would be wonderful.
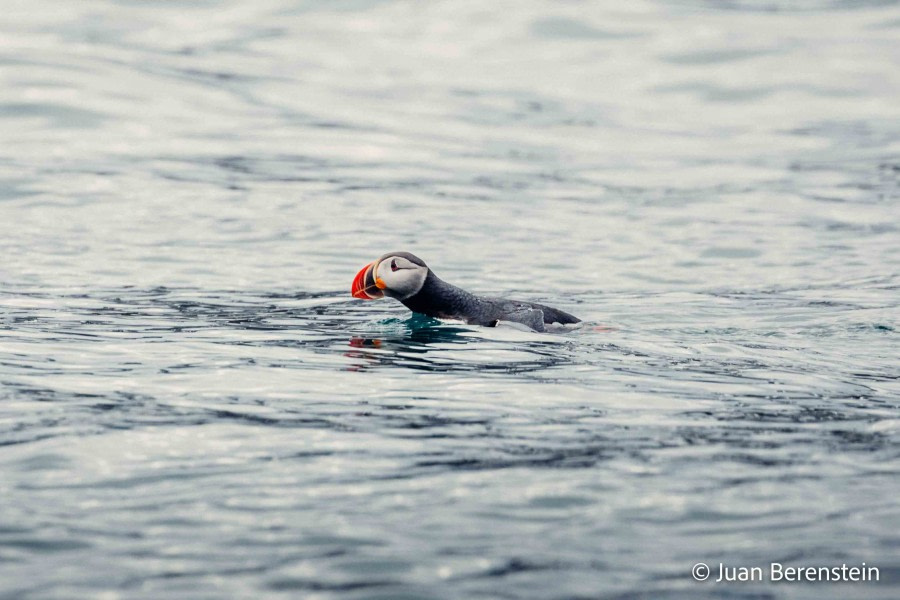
(394, 264)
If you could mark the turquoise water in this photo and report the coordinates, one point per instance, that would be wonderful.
(193, 406)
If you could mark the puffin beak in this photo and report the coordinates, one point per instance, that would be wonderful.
(365, 285)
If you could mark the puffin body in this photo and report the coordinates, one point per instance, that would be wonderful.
(407, 278)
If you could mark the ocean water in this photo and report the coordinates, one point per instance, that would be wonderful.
(193, 406)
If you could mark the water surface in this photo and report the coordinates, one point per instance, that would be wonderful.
(192, 406)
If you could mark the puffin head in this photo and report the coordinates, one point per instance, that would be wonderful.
(395, 275)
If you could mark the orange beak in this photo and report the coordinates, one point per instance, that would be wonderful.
(365, 285)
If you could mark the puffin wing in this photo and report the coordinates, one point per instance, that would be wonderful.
(526, 315)
(554, 315)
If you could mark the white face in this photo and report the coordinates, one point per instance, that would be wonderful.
(401, 277)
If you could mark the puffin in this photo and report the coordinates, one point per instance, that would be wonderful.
(407, 278)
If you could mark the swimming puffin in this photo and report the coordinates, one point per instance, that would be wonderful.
(407, 278)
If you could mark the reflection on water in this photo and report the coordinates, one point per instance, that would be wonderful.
(193, 406)
(425, 344)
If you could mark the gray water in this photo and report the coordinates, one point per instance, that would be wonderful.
(193, 406)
